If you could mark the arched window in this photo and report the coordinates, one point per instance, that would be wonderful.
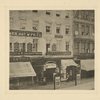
(29, 47)
(54, 47)
(16, 47)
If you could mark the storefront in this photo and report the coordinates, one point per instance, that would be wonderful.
(87, 68)
(50, 67)
(21, 73)
(68, 69)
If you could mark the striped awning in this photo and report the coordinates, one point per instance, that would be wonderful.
(21, 69)
(87, 64)
(68, 62)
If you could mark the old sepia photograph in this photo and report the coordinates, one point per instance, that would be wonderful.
(52, 49)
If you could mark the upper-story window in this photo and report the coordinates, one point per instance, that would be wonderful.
(77, 46)
(82, 14)
(92, 29)
(48, 27)
(67, 15)
(35, 11)
(22, 23)
(57, 13)
(22, 47)
(83, 47)
(35, 25)
(87, 29)
(11, 22)
(16, 47)
(10, 46)
(67, 30)
(35, 45)
(87, 47)
(48, 12)
(58, 28)
(76, 14)
(82, 29)
(54, 47)
(92, 47)
(67, 46)
(87, 15)
(76, 28)
(29, 47)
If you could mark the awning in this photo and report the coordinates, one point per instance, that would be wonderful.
(87, 65)
(21, 69)
(66, 63)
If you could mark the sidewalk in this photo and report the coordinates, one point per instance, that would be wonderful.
(85, 84)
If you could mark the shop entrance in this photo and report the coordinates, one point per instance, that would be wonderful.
(71, 70)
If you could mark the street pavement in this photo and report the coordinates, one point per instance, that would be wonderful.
(84, 84)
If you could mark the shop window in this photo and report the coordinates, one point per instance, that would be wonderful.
(16, 47)
(29, 47)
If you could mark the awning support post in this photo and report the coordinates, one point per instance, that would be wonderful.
(18, 82)
(32, 80)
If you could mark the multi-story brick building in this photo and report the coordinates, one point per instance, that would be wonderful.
(57, 35)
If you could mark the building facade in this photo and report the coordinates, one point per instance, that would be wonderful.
(83, 33)
(45, 35)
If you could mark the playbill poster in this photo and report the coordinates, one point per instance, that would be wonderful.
(49, 49)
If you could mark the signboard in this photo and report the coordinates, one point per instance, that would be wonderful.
(78, 78)
(56, 82)
(25, 33)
